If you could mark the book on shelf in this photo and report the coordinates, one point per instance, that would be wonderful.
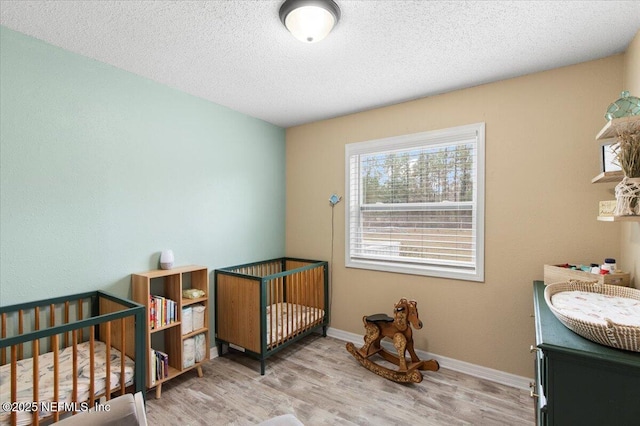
(164, 363)
(162, 311)
(159, 366)
(152, 313)
(152, 367)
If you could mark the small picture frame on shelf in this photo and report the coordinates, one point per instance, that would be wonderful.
(608, 158)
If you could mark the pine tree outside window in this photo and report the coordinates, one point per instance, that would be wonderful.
(415, 203)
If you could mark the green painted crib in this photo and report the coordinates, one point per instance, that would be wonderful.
(263, 307)
(56, 355)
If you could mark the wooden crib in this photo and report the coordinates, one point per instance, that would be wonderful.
(56, 355)
(263, 307)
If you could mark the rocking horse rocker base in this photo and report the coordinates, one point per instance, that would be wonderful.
(398, 329)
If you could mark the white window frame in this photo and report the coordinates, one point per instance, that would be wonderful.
(475, 132)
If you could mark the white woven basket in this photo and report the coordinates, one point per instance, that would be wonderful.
(612, 334)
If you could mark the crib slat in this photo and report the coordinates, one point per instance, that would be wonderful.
(276, 315)
(314, 311)
(286, 297)
(123, 351)
(299, 328)
(297, 321)
(291, 297)
(275, 312)
(56, 372)
(292, 300)
(74, 367)
(303, 299)
(319, 293)
(273, 297)
(300, 325)
(20, 331)
(14, 382)
(36, 320)
(291, 294)
(307, 299)
(66, 321)
(272, 311)
(271, 291)
(273, 318)
(52, 318)
(52, 315)
(314, 300)
(283, 315)
(107, 357)
(92, 369)
(318, 287)
(36, 375)
(3, 356)
(311, 293)
(80, 317)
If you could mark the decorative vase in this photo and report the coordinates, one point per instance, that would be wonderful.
(166, 259)
(628, 197)
(626, 106)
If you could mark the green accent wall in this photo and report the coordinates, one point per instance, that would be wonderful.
(102, 169)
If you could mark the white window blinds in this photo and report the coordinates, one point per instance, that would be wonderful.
(415, 203)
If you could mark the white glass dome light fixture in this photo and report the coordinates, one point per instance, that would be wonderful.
(309, 20)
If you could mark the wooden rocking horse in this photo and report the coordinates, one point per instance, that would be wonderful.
(398, 329)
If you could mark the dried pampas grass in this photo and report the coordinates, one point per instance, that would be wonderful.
(627, 151)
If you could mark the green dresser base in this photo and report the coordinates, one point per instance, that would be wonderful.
(579, 382)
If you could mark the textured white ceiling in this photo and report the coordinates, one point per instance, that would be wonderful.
(238, 54)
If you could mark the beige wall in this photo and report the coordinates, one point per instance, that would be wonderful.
(540, 206)
(630, 241)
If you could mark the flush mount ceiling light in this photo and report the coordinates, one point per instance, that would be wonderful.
(309, 20)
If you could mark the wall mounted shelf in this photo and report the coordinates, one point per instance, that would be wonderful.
(611, 129)
(619, 218)
(608, 177)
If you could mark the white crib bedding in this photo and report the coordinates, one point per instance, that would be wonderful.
(65, 384)
(287, 319)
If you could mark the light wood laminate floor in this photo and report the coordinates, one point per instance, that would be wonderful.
(318, 381)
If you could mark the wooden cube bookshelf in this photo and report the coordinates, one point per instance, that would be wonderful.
(168, 337)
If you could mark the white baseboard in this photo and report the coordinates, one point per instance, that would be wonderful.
(450, 363)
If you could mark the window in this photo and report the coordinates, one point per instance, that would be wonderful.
(415, 203)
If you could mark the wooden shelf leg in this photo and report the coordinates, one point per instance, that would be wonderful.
(199, 368)
(158, 391)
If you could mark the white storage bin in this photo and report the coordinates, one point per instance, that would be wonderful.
(188, 352)
(187, 320)
(201, 347)
(198, 317)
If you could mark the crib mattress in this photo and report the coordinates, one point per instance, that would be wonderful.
(65, 384)
(287, 319)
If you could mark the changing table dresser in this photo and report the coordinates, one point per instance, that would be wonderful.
(579, 382)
